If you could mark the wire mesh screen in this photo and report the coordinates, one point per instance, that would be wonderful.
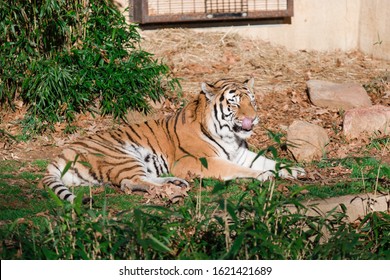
(149, 12)
(225, 7)
(166, 7)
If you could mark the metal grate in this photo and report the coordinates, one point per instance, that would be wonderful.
(215, 7)
(195, 11)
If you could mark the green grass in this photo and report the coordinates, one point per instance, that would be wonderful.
(239, 219)
(19, 195)
(367, 174)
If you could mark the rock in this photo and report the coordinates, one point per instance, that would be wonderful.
(337, 96)
(306, 141)
(367, 121)
(357, 205)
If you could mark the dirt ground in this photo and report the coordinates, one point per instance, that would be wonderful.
(280, 84)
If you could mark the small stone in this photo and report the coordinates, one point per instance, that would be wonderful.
(337, 96)
(366, 121)
(306, 141)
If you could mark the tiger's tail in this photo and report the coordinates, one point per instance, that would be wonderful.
(55, 183)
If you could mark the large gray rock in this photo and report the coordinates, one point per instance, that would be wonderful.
(337, 96)
(366, 121)
(306, 141)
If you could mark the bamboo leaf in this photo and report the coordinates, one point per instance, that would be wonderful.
(157, 244)
(86, 164)
(66, 168)
(56, 199)
(204, 162)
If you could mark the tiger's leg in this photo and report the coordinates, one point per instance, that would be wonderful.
(143, 183)
(262, 163)
(217, 168)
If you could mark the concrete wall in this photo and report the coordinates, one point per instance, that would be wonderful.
(374, 28)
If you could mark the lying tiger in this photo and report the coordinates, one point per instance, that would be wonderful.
(213, 126)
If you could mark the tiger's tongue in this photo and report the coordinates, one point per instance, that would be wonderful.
(247, 123)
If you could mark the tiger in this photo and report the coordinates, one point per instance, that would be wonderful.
(207, 137)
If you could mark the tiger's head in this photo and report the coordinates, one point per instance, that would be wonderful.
(232, 106)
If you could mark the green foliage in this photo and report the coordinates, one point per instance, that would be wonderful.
(235, 224)
(365, 174)
(66, 57)
(379, 143)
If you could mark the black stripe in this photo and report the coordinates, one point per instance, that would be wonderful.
(88, 147)
(107, 173)
(61, 191)
(157, 140)
(228, 115)
(93, 175)
(129, 169)
(56, 166)
(167, 121)
(56, 187)
(152, 133)
(157, 167)
(177, 136)
(197, 105)
(183, 117)
(129, 137)
(206, 133)
(133, 130)
(221, 126)
(124, 170)
(221, 109)
(67, 196)
(150, 146)
(216, 111)
(104, 145)
(78, 174)
(165, 164)
(127, 160)
(176, 119)
(117, 137)
(49, 179)
(135, 174)
(100, 173)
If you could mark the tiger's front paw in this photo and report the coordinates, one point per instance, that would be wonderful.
(293, 172)
(266, 176)
(177, 181)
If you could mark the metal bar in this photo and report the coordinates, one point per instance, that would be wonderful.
(290, 8)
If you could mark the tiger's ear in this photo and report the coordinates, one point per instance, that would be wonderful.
(250, 83)
(209, 90)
